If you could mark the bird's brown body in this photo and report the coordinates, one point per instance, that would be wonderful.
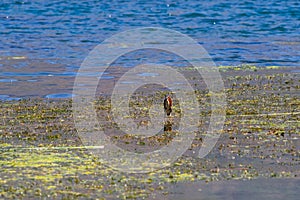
(168, 105)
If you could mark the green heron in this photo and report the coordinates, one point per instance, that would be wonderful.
(168, 105)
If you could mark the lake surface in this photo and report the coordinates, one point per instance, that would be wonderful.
(43, 43)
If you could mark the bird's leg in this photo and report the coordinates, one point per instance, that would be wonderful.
(168, 125)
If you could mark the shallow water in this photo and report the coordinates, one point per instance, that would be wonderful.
(59, 96)
(239, 189)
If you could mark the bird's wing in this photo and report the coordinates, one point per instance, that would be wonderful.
(165, 103)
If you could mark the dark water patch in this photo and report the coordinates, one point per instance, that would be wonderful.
(242, 189)
(32, 80)
(193, 15)
(37, 74)
(295, 71)
(59, 96)
(148, 74)
(129, 82)
(107, 77)
(8, 80)
(8, 98)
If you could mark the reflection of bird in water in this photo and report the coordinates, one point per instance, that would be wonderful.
(168, 105)
(168, 126)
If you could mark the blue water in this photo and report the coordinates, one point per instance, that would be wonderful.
(57, 35)
(59, 96)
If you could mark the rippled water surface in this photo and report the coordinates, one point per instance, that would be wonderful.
(51, 38)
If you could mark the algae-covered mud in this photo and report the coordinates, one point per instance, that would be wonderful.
(257, 154)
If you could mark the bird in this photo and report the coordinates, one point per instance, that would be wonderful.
(168, 105)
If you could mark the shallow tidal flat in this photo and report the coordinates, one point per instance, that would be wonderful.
(42, 155)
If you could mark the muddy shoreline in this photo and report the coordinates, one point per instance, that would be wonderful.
(38, 85)
(43, 157)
